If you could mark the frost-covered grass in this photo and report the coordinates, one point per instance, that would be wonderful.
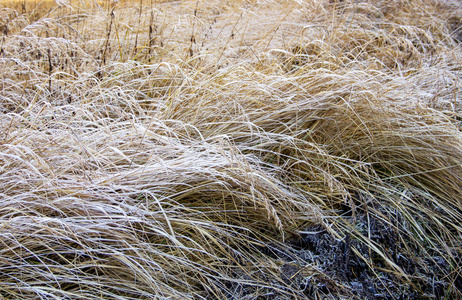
(231, 150)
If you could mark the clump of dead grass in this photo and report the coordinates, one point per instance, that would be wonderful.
(231, 151)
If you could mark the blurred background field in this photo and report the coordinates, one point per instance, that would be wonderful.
(231, 149)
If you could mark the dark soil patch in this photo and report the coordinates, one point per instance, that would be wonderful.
(317, 265)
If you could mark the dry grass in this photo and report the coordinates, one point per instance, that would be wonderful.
(231, 150)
